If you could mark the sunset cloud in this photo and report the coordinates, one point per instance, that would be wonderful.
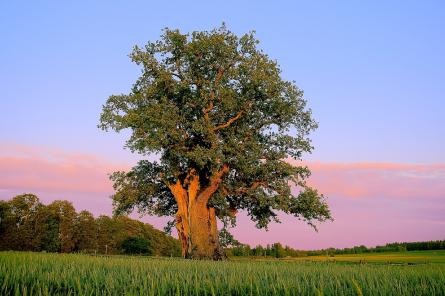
(44, 169)
(372, 203)
(392, 180)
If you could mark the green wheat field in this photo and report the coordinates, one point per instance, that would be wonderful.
(409, 273)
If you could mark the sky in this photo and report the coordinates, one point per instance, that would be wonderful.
(373, 73)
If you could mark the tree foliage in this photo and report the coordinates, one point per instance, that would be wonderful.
(28, 225)
(277, 250)
(136, 245)
(213, 106)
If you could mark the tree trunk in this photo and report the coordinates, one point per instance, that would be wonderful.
(195, 220)
(198, 233)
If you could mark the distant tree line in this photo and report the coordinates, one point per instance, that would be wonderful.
(28, 225)
(278, 251)
(275, 250)
(390, 247)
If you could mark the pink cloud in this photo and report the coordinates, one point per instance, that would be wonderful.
(372, 203)
(392, 180)
(57, 174)
(45, 169)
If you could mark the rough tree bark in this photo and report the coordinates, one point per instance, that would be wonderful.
(195, 220)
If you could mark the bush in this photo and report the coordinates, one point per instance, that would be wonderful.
(137, 245)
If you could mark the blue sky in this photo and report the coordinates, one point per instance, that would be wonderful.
(373, 72)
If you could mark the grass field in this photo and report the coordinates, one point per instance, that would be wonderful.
(412, 257)
(422, 273)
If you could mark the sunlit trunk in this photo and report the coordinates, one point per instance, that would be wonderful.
(197, 230)
(196, 223)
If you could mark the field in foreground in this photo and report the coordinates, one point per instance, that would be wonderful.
(71, 274)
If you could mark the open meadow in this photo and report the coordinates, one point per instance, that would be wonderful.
(410, 258)
(409, 273)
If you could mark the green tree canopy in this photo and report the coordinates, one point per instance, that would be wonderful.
(136, 245)
(28, 225)
(214, 108)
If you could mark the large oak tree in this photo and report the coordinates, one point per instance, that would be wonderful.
(214, 109)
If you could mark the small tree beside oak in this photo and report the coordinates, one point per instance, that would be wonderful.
(215, 110)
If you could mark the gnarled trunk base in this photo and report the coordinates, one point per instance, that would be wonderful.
(195, 220)
(197, 230)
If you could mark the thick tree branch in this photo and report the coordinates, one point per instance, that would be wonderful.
(209, 108)
(178, 192)
(229, 122)
(193, 184)
(217, 80)
(254, 186)
(215, 180)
